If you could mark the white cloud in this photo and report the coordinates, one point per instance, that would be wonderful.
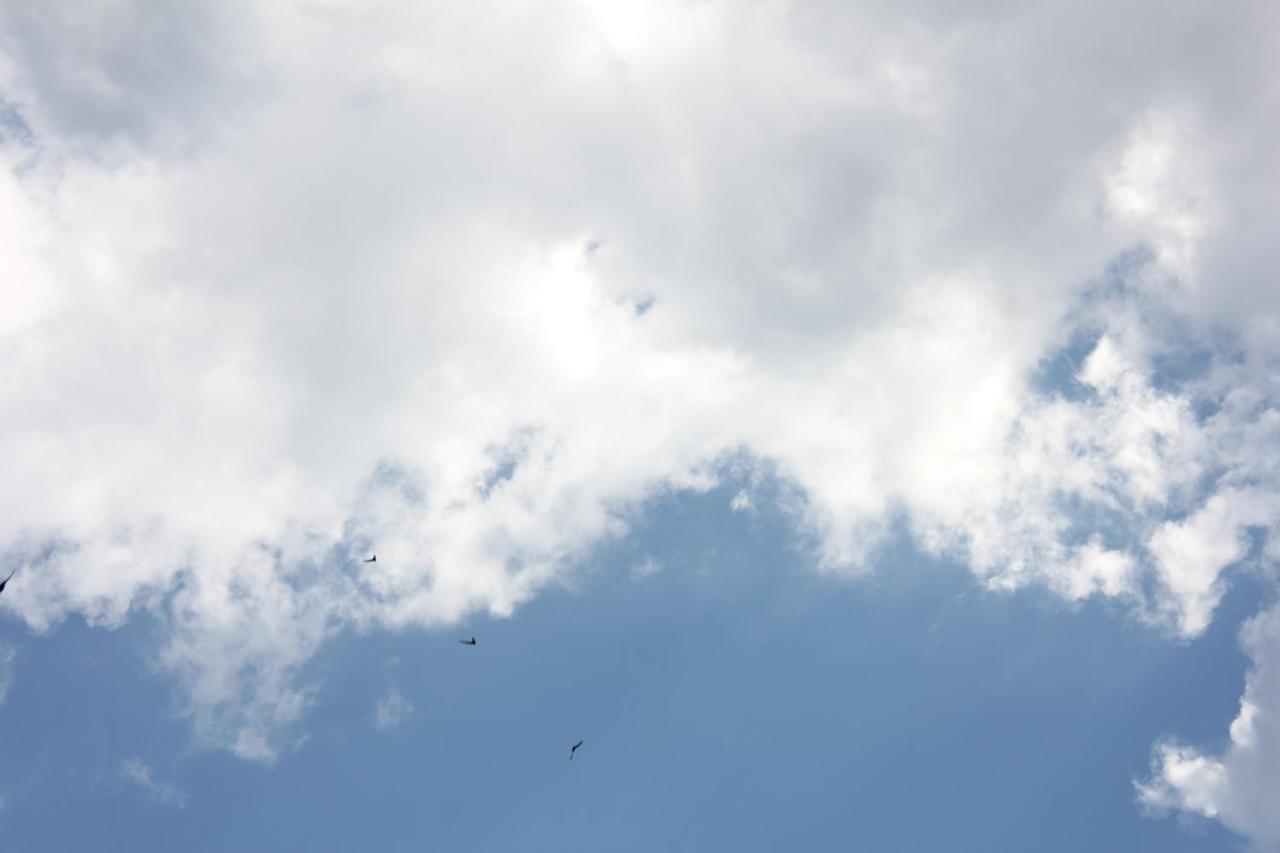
(261, 312)
(135, 770)
(391, 710)
(1191, 554)
(1238, 787)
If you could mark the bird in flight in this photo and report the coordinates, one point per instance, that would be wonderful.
(574, 749)
(6, 580)
(470, 642)
(372, 559)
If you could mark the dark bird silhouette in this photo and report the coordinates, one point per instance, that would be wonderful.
(470, 642)
(6, 580)
(372, 559)
(574, 749)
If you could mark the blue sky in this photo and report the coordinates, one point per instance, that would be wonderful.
(731, 700)
(858, 422)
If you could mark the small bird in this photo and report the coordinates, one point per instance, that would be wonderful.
(470, 642)
(6, 580)
(574, 749)
(372, 559)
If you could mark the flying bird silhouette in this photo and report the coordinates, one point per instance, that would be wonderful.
(574, 749)
(372, 559)
(6, 580)
(470, 642)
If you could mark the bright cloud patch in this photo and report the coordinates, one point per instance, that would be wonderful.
(471, 296)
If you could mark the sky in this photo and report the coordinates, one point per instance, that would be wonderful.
(728, 699)
(858, 423)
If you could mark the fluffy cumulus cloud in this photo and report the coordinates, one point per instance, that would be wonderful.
(1238, 787)
(285, 284)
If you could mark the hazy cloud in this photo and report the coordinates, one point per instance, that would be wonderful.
(8, 661)
(646, 568)
(136, 771)
(391, 710)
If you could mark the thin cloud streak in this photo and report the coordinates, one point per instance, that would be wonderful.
(135, 770)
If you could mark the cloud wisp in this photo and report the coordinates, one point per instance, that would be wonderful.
(8, 665)
(391, 710)
(136, 771)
